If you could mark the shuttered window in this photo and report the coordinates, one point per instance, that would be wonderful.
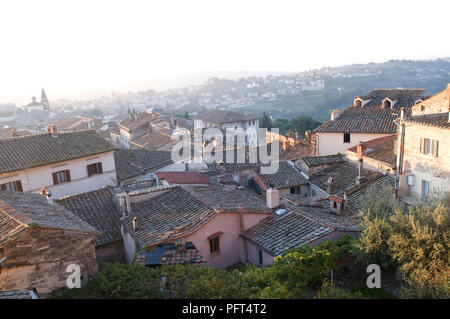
(429, 147)
(15, 186)
(95, 168)
(61, 177)
(214, 245)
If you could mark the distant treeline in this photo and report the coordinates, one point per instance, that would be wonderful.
(299, 124)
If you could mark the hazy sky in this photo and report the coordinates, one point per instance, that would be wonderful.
(70, 47)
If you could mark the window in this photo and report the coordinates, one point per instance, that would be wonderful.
(61, 177)
(425, 189)
(260, 257)
(429, 147)
(295, 190)
(15, 186)
(214, 245)
(95, 168)
(346, 137)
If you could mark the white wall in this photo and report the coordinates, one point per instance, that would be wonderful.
(34, 178)
(253, 255)
(333, 143)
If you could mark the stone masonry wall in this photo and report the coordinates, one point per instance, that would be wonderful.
(38, 258)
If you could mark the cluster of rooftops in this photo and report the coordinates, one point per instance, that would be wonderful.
(178, 203)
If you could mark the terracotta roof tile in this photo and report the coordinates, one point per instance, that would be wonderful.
(98, 210)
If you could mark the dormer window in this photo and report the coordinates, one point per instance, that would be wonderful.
(387, 104)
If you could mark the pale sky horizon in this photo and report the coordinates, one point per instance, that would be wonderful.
(72, 48)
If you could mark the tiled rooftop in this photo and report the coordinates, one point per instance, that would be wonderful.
(381, 149)
(152, 140)
(278, 233)
(343, 175)
(372, 117)
(323, 160)
(18, 211)
(130, 163)
(98, 210)
(141, 119)
(170, 214)
(440, 120)
(43, 149)
(232, 200)
(286, 176)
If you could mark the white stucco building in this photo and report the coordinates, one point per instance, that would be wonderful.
(369, 117)
(65, 163)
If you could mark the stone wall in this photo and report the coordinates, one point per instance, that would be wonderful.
(111, 252)
(38, 258)
(436, 170)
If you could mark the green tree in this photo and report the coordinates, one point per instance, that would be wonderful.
(265, 122)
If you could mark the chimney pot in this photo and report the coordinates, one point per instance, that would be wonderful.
(135, 224)
(273, 198)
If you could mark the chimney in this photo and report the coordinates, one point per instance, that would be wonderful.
(296, 134)
(334, 114)
(286, 145)
(330, 185)
(358, 178)
(14, 133)
(125, 204)
(360, 149)
(308, 136)
(273, 197)
(135, 224)
(45, 191)
(51, 129)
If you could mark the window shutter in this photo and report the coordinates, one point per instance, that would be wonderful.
(67, 173)
(99, 168)
(422, 145)
(89, 170)
(55, 179)
(19, 186)
(3, 187)
(435, 148)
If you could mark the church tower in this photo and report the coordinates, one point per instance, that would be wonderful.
(44, 100)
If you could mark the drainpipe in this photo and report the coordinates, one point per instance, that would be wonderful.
(241, 222)
(401, 143)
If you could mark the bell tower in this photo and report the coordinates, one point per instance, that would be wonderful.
(44, 100)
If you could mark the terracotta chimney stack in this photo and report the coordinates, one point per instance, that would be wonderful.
(308, 136)
(286, 145)
(51, 129)
(14, 133)
(334, 114)
(360, 149)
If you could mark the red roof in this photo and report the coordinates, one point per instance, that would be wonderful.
(183, 177)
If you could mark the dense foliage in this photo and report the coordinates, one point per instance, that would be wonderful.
(415, 241)
(289, 277)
